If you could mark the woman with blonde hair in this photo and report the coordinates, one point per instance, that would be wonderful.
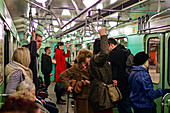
(79, 82)
(17, 70)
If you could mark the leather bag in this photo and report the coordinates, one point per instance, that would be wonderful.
(99, 97)
(114, 92)
(77, 86)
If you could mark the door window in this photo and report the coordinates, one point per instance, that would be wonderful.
(122, 41)
(154, 61)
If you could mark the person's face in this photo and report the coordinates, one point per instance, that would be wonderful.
(146, 64)
(49, 50)
(38, 110)
(33, 92)
(111, 47)
(38, 42)
(87, 60)
(61, 47)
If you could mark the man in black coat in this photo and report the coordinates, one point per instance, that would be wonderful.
(46, 66)
(34, 45)
(117, 58)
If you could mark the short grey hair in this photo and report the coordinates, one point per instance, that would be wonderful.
(27, 84)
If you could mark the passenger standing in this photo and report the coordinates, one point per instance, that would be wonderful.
(33, 47)
(46, 66)
(78, 72)
(100, 72)
(17, 70)
(60, 67)
(142, 94)
(60, 59)
(117, 58)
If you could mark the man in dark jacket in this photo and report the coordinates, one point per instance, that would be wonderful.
(46, 66)
(117, 58)
(34, 45)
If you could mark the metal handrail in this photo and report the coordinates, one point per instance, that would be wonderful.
(162, 103)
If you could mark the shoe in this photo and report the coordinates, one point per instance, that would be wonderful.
(72, 106)
(61, 102)
(72, 102)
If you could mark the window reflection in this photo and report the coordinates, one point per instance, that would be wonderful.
(122, 41)
(154, 62)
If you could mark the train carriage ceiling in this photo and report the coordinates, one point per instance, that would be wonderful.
(53, 15)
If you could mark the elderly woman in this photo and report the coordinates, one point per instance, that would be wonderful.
(100, 72)
(19, 105)
(17, 70)
(80, 81)
(45, 106)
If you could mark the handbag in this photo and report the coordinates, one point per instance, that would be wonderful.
(99, 97)
(77, 84)
(53, 61)
(114, 92)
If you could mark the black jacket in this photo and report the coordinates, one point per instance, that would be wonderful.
(46, 64)
(33, 65)
(117, 57)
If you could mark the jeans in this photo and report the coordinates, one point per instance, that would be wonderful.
(124, 105)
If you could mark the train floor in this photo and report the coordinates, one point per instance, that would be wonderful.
(62, 108)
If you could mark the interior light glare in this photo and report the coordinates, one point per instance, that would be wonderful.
(41, 1)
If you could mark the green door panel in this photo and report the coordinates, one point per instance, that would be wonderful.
(159, 83)
(53, 65)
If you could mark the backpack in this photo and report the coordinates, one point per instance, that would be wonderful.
(129, 61)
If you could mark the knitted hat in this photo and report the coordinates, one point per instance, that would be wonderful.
(140, 58)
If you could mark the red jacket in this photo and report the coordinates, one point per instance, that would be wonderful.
(60, 62)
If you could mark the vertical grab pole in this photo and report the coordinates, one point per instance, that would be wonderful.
(67, 101)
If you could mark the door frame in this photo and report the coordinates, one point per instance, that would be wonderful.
(161, 79)
(167, 60)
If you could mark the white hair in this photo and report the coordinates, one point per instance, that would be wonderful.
(27, 84)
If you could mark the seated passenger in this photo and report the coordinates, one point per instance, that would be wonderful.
(142, 94)
(17, 70)
(78, 72)
(28, 95)
(29, 86)
(19, 105)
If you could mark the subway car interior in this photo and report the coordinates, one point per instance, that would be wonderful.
(139, 25)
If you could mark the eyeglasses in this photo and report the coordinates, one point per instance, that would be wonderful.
(39, 41)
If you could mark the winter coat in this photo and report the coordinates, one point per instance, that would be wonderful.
(46, 68)
(100, 71)
(117, 58)
(60, 62)
(33, 65)
(72, 73)
(142, 94)
(15, 73)
(46, 64)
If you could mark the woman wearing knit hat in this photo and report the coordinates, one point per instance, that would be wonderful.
(142, 94)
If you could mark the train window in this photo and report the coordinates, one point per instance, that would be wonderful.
(122, 41)
(154, 62)
(169, 61)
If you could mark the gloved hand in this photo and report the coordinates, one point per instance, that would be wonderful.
(165, 91)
